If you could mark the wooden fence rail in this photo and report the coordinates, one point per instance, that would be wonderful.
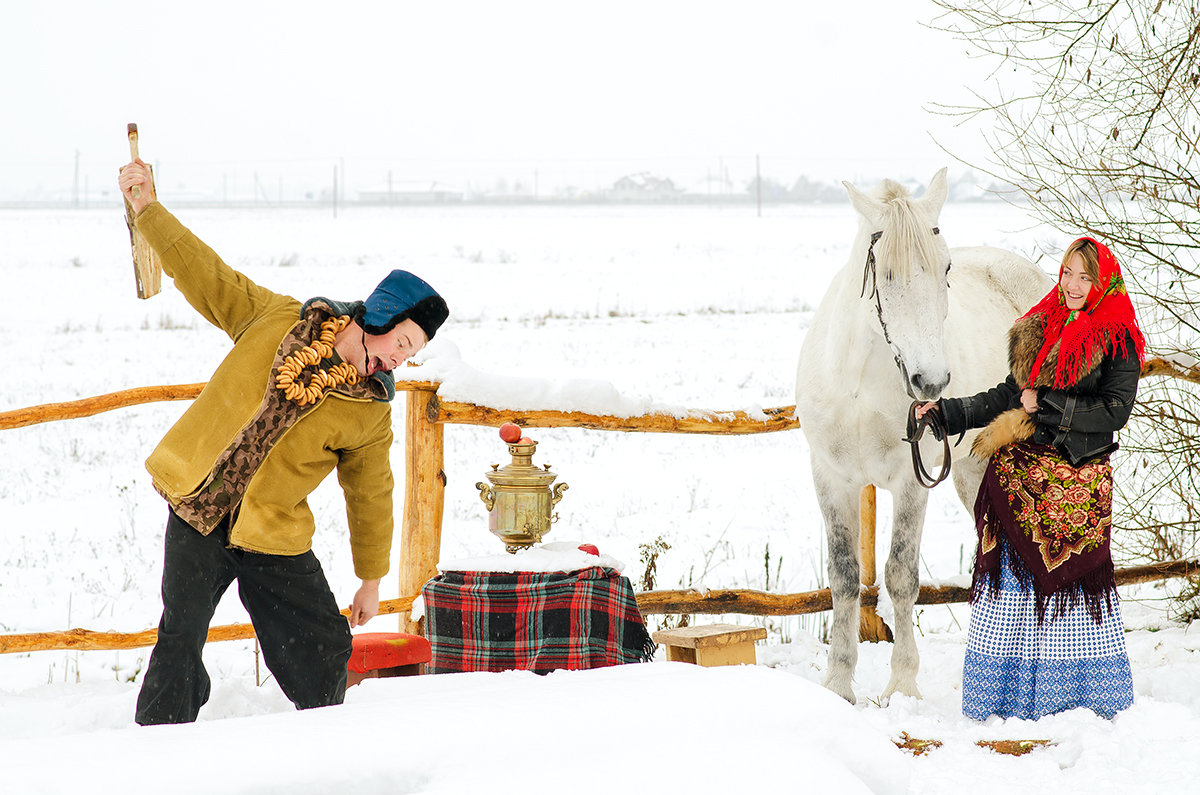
(86, 407)
(710, 422)
(87, 640)
(775, 419)
(761, 603)
(726, 601)
(425, 482)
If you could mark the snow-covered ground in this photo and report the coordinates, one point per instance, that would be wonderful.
(700, 307)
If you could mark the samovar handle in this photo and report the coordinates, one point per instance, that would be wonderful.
(558, 493)
(486, 494)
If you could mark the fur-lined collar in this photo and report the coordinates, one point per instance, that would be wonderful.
(1025, 340)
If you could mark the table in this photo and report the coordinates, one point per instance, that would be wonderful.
(534, 621)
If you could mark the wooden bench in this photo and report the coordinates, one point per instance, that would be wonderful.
(711, 644)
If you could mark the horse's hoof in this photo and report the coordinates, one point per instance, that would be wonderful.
(846, 693)
(903, 688)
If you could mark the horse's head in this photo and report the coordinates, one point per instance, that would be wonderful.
(906, 264)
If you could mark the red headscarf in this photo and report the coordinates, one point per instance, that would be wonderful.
(1105, 320)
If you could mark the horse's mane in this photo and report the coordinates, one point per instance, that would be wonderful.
(906, 237)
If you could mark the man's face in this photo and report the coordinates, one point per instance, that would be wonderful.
(388, 351)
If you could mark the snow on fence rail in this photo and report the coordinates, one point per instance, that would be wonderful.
(424, 498)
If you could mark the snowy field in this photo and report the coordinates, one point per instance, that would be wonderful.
(699, 307)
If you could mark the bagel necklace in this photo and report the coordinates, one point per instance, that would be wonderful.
(289, 376)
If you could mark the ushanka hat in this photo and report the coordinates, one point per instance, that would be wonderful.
(403, 296)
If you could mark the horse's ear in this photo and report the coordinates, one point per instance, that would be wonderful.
(868, 208)
(935, 196)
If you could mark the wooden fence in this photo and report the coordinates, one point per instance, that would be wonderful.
(427, 415)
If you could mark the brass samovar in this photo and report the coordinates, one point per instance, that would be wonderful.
(519, 499)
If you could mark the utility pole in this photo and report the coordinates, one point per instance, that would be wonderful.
(75, 187)
(758, 187)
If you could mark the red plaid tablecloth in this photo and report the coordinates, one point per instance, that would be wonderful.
(535, 621)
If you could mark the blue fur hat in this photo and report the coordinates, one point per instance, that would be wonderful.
(403, 296)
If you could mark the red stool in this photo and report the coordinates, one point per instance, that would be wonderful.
(383, 654)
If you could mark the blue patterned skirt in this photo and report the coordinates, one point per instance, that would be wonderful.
(1016, 667)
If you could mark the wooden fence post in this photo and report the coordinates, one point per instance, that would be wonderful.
(871, 627)
(424, 498)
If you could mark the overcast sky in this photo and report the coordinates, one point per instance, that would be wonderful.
(554, 91)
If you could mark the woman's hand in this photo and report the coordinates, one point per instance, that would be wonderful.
(1029, 401)
(924, 409)
(137, 174)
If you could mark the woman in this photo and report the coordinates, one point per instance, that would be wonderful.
(1046, 632)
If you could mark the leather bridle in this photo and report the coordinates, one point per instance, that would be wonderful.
(869, 272)
(932, 420)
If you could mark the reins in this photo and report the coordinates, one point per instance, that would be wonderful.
(936, 424)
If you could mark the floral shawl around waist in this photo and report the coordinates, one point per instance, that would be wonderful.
(1055, 519)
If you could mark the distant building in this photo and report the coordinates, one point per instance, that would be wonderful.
(643, 186)
(969, 186)
(807, 190)
(412, 192)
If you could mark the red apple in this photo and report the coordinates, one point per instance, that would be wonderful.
(590, 549)
(510, 432)
(525, 440)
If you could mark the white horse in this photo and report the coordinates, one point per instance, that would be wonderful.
(895, 325)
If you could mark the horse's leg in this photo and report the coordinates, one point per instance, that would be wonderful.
(902, 577)
(968, 474)
(839, 506)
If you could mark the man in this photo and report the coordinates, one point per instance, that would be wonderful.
(304, 390)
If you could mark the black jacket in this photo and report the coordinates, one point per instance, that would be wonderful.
(1079, 420)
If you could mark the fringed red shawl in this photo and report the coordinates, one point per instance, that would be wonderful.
(1107, 316)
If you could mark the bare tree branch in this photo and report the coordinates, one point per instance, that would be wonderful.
(1093, 118)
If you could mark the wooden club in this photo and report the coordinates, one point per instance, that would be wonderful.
(133, 155)
(146, 266)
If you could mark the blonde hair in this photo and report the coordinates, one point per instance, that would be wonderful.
(1086, 249)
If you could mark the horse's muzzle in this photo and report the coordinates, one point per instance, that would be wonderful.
(921, 386)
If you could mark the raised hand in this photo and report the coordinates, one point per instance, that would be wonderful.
(137, 174)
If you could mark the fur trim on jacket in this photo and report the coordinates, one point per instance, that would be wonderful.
(1016, 425)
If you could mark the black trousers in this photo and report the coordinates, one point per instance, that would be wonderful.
(305, 641)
